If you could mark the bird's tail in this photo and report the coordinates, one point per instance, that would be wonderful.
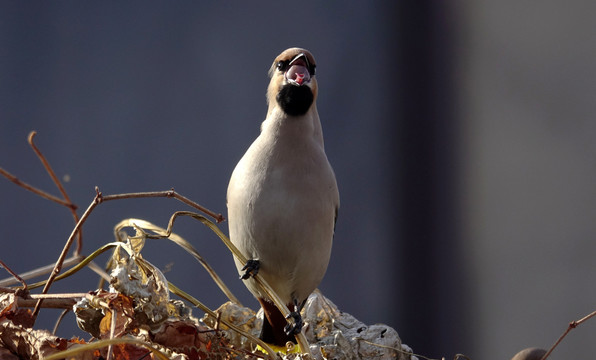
(274, 322)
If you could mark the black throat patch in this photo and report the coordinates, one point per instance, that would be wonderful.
(295, 100)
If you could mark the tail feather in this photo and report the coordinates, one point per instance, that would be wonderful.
(274, 323)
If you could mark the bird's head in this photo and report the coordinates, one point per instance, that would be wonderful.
(293, 86)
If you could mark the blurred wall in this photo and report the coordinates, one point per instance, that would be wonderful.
(527, 89)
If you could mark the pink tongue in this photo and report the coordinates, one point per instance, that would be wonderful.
(298, 74)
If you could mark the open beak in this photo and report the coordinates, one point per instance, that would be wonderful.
(298, 73)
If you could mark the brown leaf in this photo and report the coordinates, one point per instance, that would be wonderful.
(22, 317)
(5, 354)
(34, 344)
(125, 320)
(197, 342)
(128, 352)
(16, 315)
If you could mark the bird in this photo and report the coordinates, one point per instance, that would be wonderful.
(283, 198)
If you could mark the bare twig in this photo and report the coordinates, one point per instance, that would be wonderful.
(98, 270)
(80, 265)
(53, 301)
(112, 332)
(58, 266)
(65, 202)
(58, 296)
(31, 188)
(41, 271)
(50, 171)
(167, 193)
(572, 325)
(16, 276)
(59, 320)
(65, 304)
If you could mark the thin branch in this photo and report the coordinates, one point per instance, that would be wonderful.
(59, 296)
(572, 325)
(98, 270)
(58, 266)
(47, 303)
(53, 301)
(50, 171)
(82, 264)
(59, 320)
(112, 331)
(169, 194)
(16, 276)
(65, 201)
(33, 189)
(41, 271)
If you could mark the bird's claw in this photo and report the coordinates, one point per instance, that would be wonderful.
(296, 326)
(250, 269)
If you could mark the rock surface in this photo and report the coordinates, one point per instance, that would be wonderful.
(332, 334)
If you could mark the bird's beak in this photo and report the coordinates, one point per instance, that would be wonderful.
(298, 73)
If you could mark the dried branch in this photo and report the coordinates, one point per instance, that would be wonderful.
(572, 325)
(53, 301)
(31, 188)
(59, 320)
(16, 276)
(40, 271)
(58, 266)
(169, 194)
(81, 264)
(65, 201)
(50, 171)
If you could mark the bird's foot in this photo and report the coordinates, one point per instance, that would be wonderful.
(250, 269)
(295, 327)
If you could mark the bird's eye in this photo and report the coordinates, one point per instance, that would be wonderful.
(312, 70)
(282, 65)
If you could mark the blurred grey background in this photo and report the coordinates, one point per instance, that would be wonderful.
(461, 133)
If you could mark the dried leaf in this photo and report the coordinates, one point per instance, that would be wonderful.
(243, 317)
(14, 314)
(34, 344)
(5, 354)
(197, 342)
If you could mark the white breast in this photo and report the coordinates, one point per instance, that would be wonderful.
(282, 201)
